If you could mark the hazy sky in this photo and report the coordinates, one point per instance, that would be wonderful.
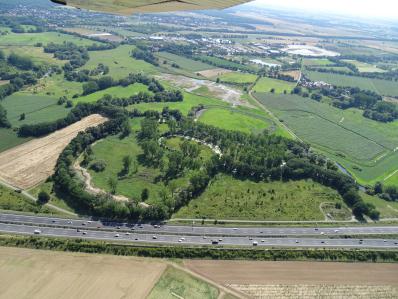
(366, 8)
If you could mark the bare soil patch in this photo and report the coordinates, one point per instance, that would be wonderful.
(214, 72)
(40, 274)
(293, 273)
(29, 164)
(4, 82)
(220, 91)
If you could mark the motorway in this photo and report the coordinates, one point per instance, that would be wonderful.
(201, 230)
(146, 238)
(194, 235)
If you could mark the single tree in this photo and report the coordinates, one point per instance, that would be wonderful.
(43, 197)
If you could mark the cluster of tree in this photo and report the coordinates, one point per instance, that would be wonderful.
(9, 71)
(76, 114)
(144, 53)
(17, 83)
(372, 103)
(84, 75)
(16, 24)
(268, 157)
(389, 193)
(77, 55)
(105, 82)
(382, 111)
(4, 123)
(21, 62)
(179, 161)
(143, 97)
(285, 77)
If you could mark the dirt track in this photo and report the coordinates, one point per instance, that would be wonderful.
(28, 164)
(293, 273)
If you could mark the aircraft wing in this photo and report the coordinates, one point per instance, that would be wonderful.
(127, 7)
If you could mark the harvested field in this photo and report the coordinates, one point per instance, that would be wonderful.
(27, 165)
(317, 291)
(295, 273)
(214, 72)
(28, 273)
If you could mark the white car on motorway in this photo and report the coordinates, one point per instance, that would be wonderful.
(37, 232)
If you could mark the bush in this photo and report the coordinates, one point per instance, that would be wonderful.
(98, 166)
(43, 197)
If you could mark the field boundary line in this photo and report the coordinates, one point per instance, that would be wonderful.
(276, 120)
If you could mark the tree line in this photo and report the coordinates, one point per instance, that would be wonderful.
(191, 252)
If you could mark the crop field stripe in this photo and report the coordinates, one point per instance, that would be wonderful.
(338, 124)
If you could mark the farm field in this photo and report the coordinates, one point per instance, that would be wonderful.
(10, 139)
(265, 84)
(228, 198)
(117, 91)
(178, 284)
(50, 274)
(30, 39)
(383, 87)
(294, 273)
(224, 63)
(238, 78)
(29, 164)
(364, 146)
(36, 108)
(229, 119)
(365, 67)
(119, 62)
(185, 63)
(285, 280)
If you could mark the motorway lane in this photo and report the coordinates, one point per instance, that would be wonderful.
(201, 230)
(197, 240)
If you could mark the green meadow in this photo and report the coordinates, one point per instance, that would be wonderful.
(265, 84)
(232, 199)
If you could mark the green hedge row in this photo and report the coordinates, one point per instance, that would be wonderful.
(78, 245)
